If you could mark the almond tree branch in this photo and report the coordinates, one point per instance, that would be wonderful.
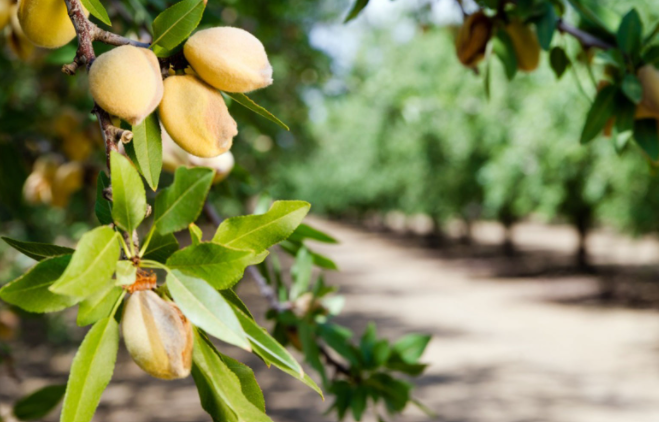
(87, 33)
(586, 39)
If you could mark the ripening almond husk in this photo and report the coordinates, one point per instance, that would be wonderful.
(472, 38)
(525, 42)
(157, 335)
(649, 106)
(126, 81)
(196, 117)
(46, 22)
(230, 59)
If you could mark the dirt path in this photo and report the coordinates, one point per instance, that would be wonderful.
(501, 352)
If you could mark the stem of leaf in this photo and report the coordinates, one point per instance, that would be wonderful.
(116, 305)
(125, 247)
(147, 263)
(148, 240)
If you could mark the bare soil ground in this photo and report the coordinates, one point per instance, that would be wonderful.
(521, 339)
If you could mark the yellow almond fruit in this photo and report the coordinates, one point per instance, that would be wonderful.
(5, 12)
(525, 42)
(46, 22)
(37, 189)
(68, 180)
(126, 82)
(222, 164)
(18, 43)
(157, 335)
(472, 39)
(649, 106)
(196, 117)
(230, 59)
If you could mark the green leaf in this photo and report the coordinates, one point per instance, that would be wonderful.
(223, 390)
(247, 102)
(504, 49)
(357, 7)
(651, 55)
(220, 266)
(411, 347)
(103, 207)
(146, 150)
(338, 338)
(358, 402)
(559, 61)
(259, 232)
(248, 383)
(92, 264)
(31, 291)
(267, 347)
(546, 25)
(37, 251)
(611, 57)
(99, 305)
(180, 204)
(195, 234)
(304, 231)
(319, 260)
(233, 298)
(91, 371)
(97, 10)
(624, 121)
(645, 135)
(396, 393)
(128, 195)
(161, 247)
(206, 308)
(632, 88)
(599, 113)
(310, 349)
(630, 33)
(301, 272)
(375, 352)
(39, 404)
(126, 273)
(175, 24)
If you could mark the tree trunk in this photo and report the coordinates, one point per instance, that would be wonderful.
(582, 224)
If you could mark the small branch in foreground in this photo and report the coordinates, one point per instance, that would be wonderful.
(340, 368)
(586, 39)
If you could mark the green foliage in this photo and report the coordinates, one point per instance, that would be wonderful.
(145, 150)
(161, 247)
(180, 204)
(91, 371)
(206, 308)
(259, 232)
(174, 25)
(102, 207)
(220, 389)
(91, 266)
(99, 305)
(248, 103)
(128, 197)
(97, 10)
(220, 266)
(39, 404)
(37, 251)
(32, 292)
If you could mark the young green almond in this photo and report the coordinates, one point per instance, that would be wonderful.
(230, 59)
(157, 335)
(196, 117)
(46, 22)
(126, 81)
